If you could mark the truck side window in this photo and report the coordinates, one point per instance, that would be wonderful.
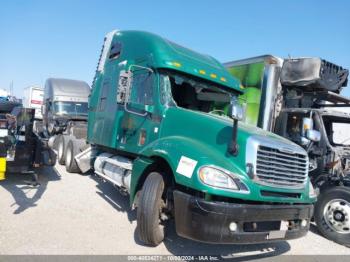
(165, 90)
(115, 50)
(142, 88)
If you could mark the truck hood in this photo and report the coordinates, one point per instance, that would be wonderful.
(214, 133)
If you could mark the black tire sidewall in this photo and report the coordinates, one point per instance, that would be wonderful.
(150, 231)
(61, 140)
(73, 148)
(69, 151)
(324, 198)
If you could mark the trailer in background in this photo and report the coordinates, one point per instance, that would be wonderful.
(33, 98)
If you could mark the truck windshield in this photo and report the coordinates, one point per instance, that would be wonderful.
(71, 108)
(337, 130)
(194, 94)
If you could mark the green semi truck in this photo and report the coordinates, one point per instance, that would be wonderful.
(294, 98)
(163, 127)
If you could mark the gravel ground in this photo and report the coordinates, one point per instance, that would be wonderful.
(79, 214)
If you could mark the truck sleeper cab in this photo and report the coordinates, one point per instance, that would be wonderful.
(159, 131)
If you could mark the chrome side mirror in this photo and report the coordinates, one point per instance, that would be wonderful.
(313, 135)
(236, 110)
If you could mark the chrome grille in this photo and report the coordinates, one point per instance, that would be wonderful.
(277, 168)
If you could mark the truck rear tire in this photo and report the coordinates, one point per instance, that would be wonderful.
(332, 214)
(149, 208)
(73, 148)
(61, 148)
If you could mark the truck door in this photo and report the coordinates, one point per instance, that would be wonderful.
(140, 120)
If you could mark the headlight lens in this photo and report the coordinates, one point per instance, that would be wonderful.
(217, 178)
(312, 192)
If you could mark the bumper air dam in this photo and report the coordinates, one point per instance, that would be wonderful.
(230, 223)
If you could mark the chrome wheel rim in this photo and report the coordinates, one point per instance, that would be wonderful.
(337, 215)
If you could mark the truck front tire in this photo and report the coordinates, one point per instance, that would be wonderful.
(149, 208)
(73, 148)
(332, 214)
(61, 148)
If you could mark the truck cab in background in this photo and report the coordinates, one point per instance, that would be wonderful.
(64, 117)
(64, 100)
(293, 98)
(163, 127)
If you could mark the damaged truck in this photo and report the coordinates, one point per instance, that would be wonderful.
(294, 98)
(158, 130)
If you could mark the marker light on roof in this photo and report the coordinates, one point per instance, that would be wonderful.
(177, 64)
(223, 79)
(213, 75)
(202, 72)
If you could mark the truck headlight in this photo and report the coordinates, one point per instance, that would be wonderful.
(219, 178)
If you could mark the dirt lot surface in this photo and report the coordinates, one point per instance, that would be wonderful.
(77, 214)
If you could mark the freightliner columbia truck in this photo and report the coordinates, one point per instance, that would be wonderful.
(293, 98)
(157, 131)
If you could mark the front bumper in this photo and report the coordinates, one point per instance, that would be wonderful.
(209, 222)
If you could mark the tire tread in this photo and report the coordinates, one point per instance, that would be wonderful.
(147, 213)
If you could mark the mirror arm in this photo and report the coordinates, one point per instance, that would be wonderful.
(233, 147)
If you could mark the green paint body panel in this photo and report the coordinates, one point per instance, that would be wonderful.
(181, 134)
(173, 132)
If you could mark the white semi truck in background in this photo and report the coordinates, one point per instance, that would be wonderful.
(61, 115)
(33, 98)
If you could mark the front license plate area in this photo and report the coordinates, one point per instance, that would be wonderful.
(284, 225)
(276, 234)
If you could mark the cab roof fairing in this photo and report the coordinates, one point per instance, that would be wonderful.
(60, 87)
(164, 54)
